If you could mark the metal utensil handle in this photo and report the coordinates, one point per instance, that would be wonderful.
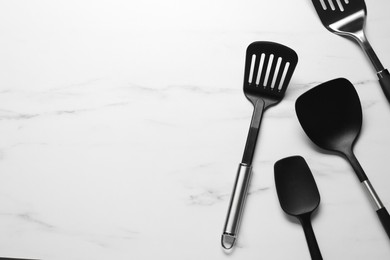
(382, 73)
(384, 80)
(236, 206)
(366, 46)
(383, 215)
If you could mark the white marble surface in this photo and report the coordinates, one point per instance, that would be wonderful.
(122, 124)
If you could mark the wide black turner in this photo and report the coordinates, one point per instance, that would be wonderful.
(331, 116)
(298, 195)
(268, 69)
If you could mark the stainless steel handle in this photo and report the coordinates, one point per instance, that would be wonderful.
(366, 46)
(236, 206)
(372, 193)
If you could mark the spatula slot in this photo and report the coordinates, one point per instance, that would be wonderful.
(252, 68)
(323, 4)
(331, 5)
(260, 68)
(284, 75)
(268, 71)
(340, 5)
(273, 83)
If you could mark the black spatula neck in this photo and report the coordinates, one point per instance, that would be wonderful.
(253, 133)
(310, 236)
(355, 165)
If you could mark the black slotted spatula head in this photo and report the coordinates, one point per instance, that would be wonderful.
(269, 67)
(334, 11)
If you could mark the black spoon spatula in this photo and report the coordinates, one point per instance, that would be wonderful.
(268, 69)
(331, 116)
(298, 195)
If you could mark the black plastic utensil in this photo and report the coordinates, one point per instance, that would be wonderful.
(268, 69)
(331, 116)
(298, 195)
(347, 18)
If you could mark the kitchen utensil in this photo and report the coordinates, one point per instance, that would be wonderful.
(347, 18)
(331, 116)
(268, 69)
(298, 195)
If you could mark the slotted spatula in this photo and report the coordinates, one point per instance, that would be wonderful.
(347, 18)
(268, 69)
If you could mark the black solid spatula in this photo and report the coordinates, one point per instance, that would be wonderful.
(331, 116)
(298, 195)
(268, 69)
